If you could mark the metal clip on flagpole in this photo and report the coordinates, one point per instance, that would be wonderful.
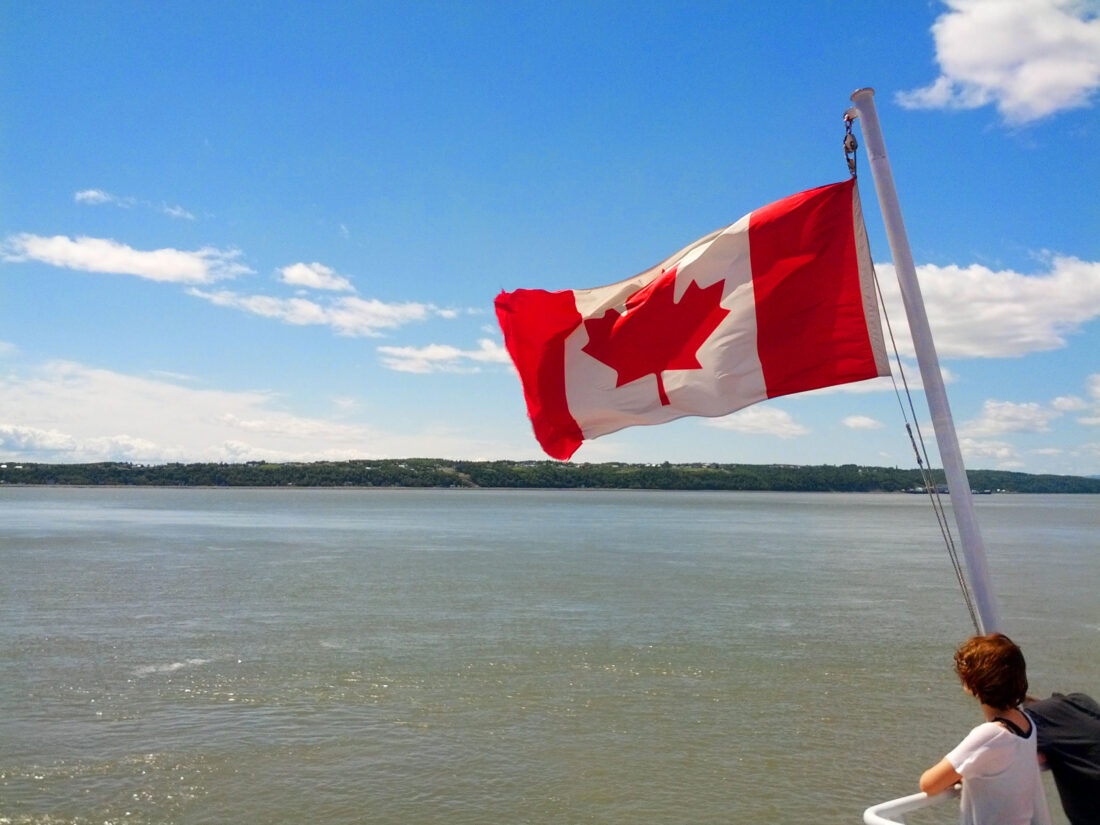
(958, 485)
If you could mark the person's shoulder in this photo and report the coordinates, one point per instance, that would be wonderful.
(1041, 705)
(978, 745)
(984, 733)
(1080, 702)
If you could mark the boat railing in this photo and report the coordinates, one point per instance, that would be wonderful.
(893, 811)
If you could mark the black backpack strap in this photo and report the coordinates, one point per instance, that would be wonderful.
(1012, 726)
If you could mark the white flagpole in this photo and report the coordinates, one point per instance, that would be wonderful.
(957, 483)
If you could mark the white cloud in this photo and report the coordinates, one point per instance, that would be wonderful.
(201, 266)
(999, 417)
(126, 447)
(443, 358)
(981, 437)
(285, 426)
(17, 439)
(1030, 58)
(351, 316)
(97, 197)
(862, 422)
(976, 312)
(314, 276)
(1092, 419)
(176, 212)
(760, 421)
(1068, 403)
(359, 316)
(297, 311)
(66, 412)
(343, 404)
(1093, 387)
(975, 449)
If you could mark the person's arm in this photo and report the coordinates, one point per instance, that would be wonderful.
(939, 778)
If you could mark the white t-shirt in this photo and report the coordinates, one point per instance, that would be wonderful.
(1001, 784)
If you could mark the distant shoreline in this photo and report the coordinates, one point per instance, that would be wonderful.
(545, 475)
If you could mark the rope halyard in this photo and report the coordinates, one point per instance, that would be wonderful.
(925, 466)
(921, 451)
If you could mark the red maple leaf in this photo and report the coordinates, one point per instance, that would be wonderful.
(654, 333)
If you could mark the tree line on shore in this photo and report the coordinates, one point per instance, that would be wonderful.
(431, 472)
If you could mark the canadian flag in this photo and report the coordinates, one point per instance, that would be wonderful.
(782, 301)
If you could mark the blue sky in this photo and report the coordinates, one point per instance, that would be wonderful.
(274, 231)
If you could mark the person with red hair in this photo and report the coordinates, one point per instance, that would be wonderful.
(996, 762)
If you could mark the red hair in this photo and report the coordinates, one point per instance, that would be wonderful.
(993, 669)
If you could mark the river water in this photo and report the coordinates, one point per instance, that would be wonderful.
(443, 656)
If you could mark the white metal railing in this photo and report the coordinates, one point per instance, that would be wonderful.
(893, 812)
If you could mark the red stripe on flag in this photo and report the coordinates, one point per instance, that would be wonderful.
(811, 330)
(535, 325)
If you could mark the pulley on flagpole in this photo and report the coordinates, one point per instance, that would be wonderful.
(850, 144)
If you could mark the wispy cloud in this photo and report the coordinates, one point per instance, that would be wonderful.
(1030, 58)
(314, 276)
(443, 358)
(352, 316)
(201, 266)
(976, 312)
(760, 421)
(176, 212)
(282, 425)
(98, 197)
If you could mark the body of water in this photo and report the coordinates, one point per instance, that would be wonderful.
(437, 656)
